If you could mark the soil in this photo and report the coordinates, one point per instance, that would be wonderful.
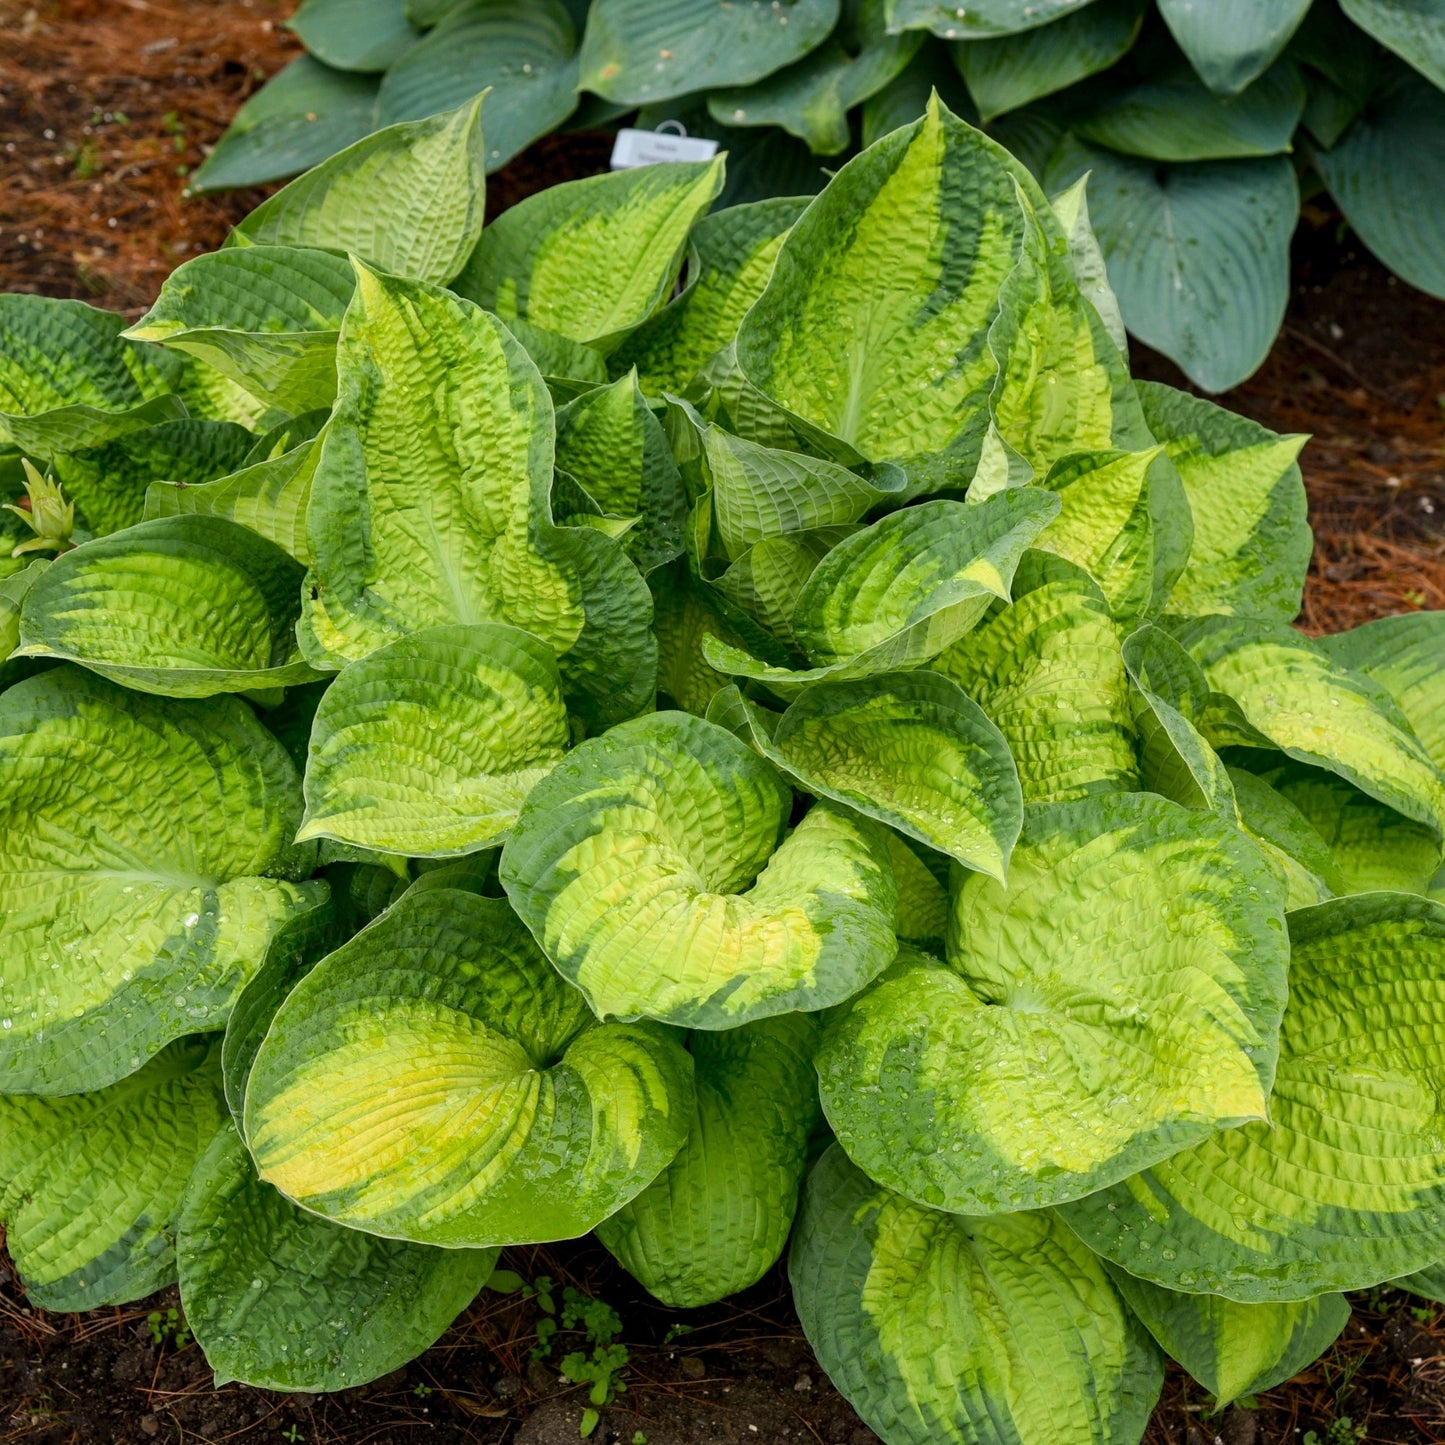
(105, 107)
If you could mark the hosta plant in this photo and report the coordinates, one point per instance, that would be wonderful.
(1201, 123)
(562, 726)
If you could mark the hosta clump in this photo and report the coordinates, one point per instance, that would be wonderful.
(506, 746)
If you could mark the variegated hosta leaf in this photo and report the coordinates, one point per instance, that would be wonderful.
(682, 619)
(69, 379)
(1344, 1186)
(1298, 854)
(265, 315)
(903, 590)
(1049, 672)
(912, 750)
(648, 866)
(1291, 695)
(873, 328)
(430, 503)
(636, 51)
(428, 747)
(90, 1185)
(1118, 1001)
(1169, 701)
(922, 895)
(408, 199)
(1428, 1283)
(269, 495)
(760, 492)
(1125, 521)
(1063, 385)
(1011, 70)
(717, 1218)
(730, 258)
(1085, 256)
(942, 1330)
(1373, 846)
(1406, 656)
(611, 444)
(144, 852)
(283, 1300)
(435, 1080)
(592, 259)
(108, 483)
(182, 606)
(1252, 539)
(1235, 1349)
(812, 97)
(13, 590)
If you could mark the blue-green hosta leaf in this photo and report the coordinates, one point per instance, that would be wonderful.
(524, 56)
(1177, 118)
(648, 865)
(903, 590)
(905, 98)
(913, 751)
(730, 259)
(811, 98)
(1008, 72)
(1087, 259)
(182, 606)
(269, 496)
(1020, 1075)
(592, 259)
(69, 379)
(1252, 540)
(1387, 173)
(1235, 1349)
(145, 847)
(1170, 700)
(90, 1184)
(108, 483)
(1049, 671)
(1231, 42)
(280, 1299)
(436, 1080)
(873, 329)
(1344, 1186)
(430, 503)
(428, 747)
(949, 1331)
(363, 35)
(1198, 254)
(1125, 521)
(1373, 846)
(610, 442)
(1413, 29)
(1406, 656)
(266, 316)
(297, 119)
(717, 1218)
(637, 51)
(407, 199)
(1296, 698)
(978, 21)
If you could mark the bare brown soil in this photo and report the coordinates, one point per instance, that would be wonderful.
(105, 107)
